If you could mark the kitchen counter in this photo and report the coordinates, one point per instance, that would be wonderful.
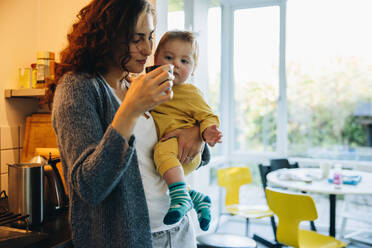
(54, 232)
(58, 230)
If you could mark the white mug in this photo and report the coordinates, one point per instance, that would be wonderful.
(325, 167)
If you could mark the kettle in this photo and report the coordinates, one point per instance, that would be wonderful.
(36, 189)
(55, 199)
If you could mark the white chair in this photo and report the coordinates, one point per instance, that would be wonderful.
(357, 208)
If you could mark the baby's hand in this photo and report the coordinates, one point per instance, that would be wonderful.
(212, 135)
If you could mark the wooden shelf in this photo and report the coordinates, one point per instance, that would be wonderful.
(24, 93)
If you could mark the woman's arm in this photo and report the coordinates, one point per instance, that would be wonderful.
(145, 93)
(94, 155)
(97, 156)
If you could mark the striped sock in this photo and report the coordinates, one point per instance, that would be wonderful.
(180, 203)
(202, 205)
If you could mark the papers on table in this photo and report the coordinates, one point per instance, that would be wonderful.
(295, 175)
(308, 176)
(349, 179)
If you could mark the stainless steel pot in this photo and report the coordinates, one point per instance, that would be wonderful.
(26, 190)
(36, 189)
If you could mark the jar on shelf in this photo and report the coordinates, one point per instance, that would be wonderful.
(45, 67)
(33, 75)
(24, 78)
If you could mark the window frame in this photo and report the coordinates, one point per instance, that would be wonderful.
(227, 90)
(193, 14)
(195, 11)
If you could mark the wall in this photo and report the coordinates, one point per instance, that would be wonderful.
(26, 27)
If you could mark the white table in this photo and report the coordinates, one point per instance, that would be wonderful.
(322, 186)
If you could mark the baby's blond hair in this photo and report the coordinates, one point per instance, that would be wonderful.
(182, 36)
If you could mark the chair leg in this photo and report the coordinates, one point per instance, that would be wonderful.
(345, 209)
(273, 225)
(343, 225)
(266, 242)
(218, 223)
(312, 226)
(247, 227)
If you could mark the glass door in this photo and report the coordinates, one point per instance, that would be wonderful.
(255, 78)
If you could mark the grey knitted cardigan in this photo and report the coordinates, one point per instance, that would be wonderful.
(107, 200)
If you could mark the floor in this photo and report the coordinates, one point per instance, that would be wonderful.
(263, 230)
(236, 225)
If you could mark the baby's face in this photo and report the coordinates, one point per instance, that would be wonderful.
(180, 54)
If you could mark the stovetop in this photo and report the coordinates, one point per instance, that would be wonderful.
(11, 235)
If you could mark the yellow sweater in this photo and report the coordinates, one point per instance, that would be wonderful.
(186, 108)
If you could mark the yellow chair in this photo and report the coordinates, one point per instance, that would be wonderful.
(232, 179)
(291, 209)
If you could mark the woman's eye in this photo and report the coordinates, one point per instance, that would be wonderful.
(184, 61)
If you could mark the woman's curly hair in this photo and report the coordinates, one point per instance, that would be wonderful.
(92, 38)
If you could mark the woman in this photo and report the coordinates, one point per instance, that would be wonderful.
(104, 138)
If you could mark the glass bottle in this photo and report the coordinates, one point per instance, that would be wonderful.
(45, 67)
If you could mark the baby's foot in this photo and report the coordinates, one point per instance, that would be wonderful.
(202, 205)
(180, 204)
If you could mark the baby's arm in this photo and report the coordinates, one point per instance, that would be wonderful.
(212, 135)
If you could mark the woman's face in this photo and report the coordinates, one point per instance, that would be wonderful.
(140, 47)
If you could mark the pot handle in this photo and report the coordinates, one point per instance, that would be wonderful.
(53, 163)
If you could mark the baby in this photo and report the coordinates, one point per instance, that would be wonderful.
(186, 109)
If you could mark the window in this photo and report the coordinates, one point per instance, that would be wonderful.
(287, 77)
(256, 81)
(214, 64)
(329, 75)
(253, 79)
(214, 57)
(176, 15)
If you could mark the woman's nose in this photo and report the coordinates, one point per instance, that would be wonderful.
(147, 48)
